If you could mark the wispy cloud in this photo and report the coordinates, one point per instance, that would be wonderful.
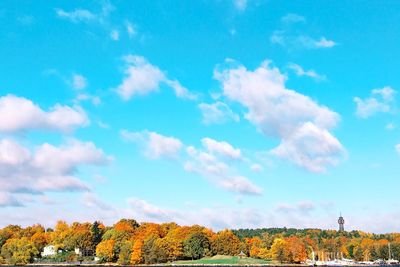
(213, 162)
(380, 101)
(299, 71)
(77, 15)
(293, 18)
(85, 15)
(217, 113)
(286, 36)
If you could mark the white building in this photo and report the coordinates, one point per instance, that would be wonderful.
(49, 250)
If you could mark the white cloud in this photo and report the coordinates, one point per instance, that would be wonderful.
(20, 114)
(240, 184)
(398, 148)
(381, 100)
(209, 217)
(78, 15)
(143, 78)
(222, 148)
(156, 145)
(180, 91)
(299, 71)
(277, 111)
(310, 147)
(148, 211)
(114, 35)
(293, 18)
(311, 43)
(217, 113)
(240, 5)
(65, 159)
(212, 164)
(47, 168)
(79, 82)
(387, 93)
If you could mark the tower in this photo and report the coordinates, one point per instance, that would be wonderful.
(341, 223)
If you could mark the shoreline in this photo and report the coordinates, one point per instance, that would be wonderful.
(189, 265)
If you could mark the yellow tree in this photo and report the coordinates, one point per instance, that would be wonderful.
(19, 251)
(225, 243)
(60, 233)
(136, 255)
(279, 250)
(145, 231)
(105, 250)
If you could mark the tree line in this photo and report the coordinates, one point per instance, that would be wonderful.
(130, 242)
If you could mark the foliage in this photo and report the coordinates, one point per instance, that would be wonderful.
(225, 243)
(128, 242)
(105, 250)
(19, 251)
(197, 245)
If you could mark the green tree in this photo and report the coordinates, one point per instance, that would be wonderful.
(124, 256)
(153, 253)
(97, 234)
(196, 246)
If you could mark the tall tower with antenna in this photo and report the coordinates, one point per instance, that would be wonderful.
(341, 223)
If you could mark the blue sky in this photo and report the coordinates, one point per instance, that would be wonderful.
(227, 113)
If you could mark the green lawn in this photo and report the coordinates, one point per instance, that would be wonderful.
(220, 259)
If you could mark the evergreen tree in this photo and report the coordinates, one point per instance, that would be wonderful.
(97, 234)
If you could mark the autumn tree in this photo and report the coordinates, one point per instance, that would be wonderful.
(136, 252)
(19, 251)
(105, 250)
(40, 240)
(124, 256)
(145, 231)
(225, 243)
(60, 234)
(296, 249)
(152, 252)
(279, 250)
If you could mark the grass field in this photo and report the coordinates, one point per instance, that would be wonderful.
(221, 259)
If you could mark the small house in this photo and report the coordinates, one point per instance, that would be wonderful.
(49, 250)
(242, 255)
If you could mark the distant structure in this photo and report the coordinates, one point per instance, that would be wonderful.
(341, 223)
